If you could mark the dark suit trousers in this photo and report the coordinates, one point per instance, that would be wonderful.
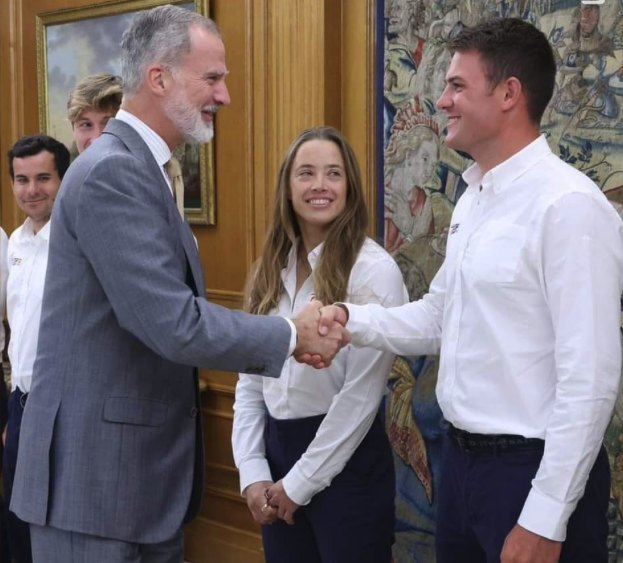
(482, 495)
(4, 406)
(18, 531)
(352, 519)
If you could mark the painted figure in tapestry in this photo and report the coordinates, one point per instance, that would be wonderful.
(422, 183)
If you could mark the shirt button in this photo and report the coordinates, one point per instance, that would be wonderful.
(193, 412)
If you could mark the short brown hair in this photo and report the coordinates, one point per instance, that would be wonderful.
(99, 92)
(512, 47)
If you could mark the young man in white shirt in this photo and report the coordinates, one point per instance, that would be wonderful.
(37, 165)
(526, 311)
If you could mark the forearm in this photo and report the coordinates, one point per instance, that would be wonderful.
(410, 330)
(248, 432)
(346, 424)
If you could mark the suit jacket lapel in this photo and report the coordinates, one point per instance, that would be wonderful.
(192, 255)
(137, 146)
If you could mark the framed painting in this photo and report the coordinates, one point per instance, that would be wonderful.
(77, 42)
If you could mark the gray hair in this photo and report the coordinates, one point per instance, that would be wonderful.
(160, 35)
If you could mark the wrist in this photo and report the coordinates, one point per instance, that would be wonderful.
(345, 309)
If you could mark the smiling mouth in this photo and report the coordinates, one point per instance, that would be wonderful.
(319, 201)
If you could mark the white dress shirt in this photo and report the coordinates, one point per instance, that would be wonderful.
(348, 391)
(27, 260)
(162, 154)
(526, 309)
(4, 274)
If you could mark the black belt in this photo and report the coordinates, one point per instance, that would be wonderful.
(494, 443)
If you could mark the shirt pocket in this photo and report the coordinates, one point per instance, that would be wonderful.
(497, 252)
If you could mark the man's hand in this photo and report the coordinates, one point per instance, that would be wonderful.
(282, 502)
(257, 502)
(330, 315)
(315, 347)
(523, 546)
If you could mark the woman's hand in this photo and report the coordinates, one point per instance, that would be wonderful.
(282, 502)
(257, 501)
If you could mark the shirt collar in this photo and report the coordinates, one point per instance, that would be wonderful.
(27, 231)
(312, 257)
(505, 173)
(155, 142)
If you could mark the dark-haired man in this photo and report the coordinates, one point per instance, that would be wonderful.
(525, 310)
(37, 165)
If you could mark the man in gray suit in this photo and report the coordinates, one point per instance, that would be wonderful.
(110, 462)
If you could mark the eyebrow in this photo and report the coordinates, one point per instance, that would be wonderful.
(215, 74)
(305, 165)
(454, 79)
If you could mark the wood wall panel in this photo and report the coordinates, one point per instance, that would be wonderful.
(294, 64)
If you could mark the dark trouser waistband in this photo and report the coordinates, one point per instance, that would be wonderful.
(493, 443)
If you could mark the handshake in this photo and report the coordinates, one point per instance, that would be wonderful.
(320, 334)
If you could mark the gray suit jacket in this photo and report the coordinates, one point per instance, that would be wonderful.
(111, 441)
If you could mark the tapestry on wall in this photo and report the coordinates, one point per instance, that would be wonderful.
(422, 183)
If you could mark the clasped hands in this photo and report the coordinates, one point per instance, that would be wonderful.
(268, 501)
(320, 334)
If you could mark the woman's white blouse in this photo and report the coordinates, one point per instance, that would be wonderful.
(348, 391)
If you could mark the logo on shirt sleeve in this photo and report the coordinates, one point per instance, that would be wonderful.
(454, 228)
(15, 261)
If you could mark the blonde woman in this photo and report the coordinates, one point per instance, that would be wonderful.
(313, 455)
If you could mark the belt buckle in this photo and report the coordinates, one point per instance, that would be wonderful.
(462, 440)
(22, 400)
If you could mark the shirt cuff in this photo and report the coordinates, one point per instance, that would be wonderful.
(545, 516)
(252, 471)
(298, 487)
(358, 324)
(292, 337)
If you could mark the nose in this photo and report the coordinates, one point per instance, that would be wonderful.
(444, 101)
(221, 94)
(318, 183)
(32, 188)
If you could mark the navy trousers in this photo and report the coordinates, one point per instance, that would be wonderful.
(4, 407)
(481, 497)
(18, 531)
(352, 519)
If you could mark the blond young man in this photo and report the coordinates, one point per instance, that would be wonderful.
(91, 104)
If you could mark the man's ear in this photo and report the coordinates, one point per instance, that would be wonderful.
(158, 79)
(512, 92)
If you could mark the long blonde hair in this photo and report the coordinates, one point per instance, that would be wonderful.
(344, 239)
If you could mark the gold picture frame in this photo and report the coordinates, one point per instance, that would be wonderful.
(75, 42)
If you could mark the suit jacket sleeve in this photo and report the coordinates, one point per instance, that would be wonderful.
(124, 228)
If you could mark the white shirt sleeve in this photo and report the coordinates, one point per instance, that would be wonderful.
(292, 337)
(581, 277)
(353, 409)
(4, 275)
(413, 329)
(248, 436)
